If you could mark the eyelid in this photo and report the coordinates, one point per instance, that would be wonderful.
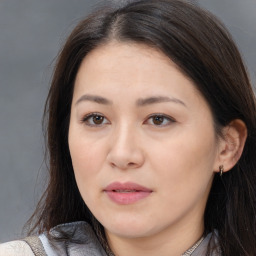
(85, 118)
(166, 117)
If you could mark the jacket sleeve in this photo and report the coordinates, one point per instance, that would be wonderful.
(15, 248)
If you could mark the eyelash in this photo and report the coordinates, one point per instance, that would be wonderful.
(163, 118)
(86, 119)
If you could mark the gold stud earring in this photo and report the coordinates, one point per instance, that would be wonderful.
(221, 168)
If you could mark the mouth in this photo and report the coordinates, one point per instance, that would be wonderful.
(126, 193)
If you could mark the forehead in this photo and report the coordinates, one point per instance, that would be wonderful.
(127, 50)
(123, 68)
(124, 57)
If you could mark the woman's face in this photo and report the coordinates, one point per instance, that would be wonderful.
(142, 142)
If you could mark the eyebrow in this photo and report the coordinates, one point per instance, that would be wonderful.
(158, 99)
(139, 102)
(94, 98)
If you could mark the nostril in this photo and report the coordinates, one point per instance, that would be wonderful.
(112, 164)
(124, 166)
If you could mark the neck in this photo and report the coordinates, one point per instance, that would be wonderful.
(170, 242)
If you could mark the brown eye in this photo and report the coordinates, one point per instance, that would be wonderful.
(160, 120)
(157, 120)
(98, 119)
(95, 120)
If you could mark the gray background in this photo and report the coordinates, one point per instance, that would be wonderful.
(31, 33)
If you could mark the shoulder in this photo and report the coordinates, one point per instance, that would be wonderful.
(68, 238)
(210, 241)
(15, 248)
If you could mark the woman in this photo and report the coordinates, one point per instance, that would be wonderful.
(151, 124)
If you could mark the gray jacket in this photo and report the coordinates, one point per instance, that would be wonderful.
(83, 242)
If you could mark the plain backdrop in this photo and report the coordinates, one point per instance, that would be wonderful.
(31, 34)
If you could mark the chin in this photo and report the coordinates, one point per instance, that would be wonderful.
(129, 229)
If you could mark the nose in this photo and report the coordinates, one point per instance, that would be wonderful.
(125, 151)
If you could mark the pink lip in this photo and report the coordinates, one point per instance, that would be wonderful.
(126, 193)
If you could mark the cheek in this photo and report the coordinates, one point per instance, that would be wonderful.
(87, 161)
(185, 161)
(86, 164)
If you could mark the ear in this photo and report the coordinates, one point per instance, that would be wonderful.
(231, 145)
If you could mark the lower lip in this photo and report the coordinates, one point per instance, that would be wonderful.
(127, 197)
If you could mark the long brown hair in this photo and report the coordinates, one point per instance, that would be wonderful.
(204, 51)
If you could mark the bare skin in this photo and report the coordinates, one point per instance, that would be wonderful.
(136, 118)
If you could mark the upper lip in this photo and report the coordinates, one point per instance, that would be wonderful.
(127, 186)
